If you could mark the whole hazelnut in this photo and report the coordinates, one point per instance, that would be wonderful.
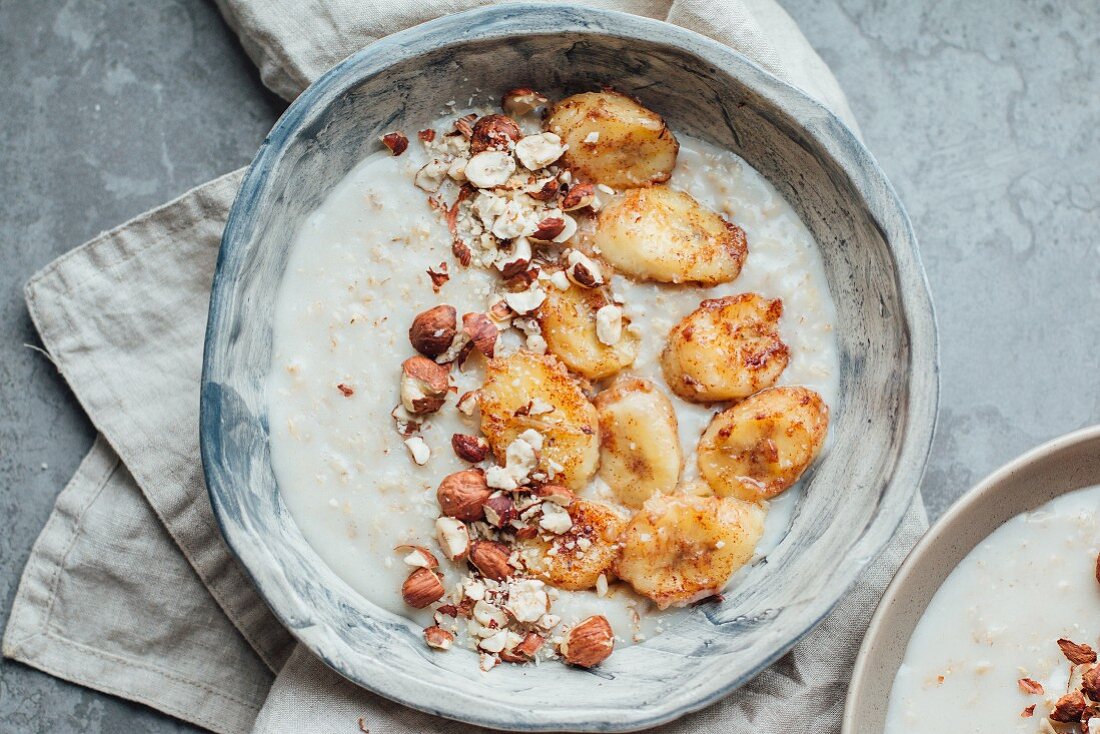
(422, 588)
(491, 559)
(424, 385)
(588, 643)
(433, 330)
(493, 132)
(462, 495)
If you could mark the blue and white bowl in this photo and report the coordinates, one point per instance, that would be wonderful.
(853, 499)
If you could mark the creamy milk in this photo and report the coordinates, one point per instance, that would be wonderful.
(997, 618)
(356, 278)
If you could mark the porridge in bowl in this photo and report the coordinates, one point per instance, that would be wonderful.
(545, 378)
(1007, 643)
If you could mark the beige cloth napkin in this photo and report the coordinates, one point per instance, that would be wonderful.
(131, 590)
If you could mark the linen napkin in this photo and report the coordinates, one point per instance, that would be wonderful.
(131, 590)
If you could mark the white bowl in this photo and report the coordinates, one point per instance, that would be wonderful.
(1063, 465)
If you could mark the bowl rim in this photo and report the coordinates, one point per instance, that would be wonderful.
(943, 531)
(810, 117)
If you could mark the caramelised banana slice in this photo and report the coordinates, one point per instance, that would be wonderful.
(761, 446)
(726, 349)
(575, 559)
(680, 548)
(640, 451)
(571, 325)
(613, 139)
(524, 391)
(665, 235)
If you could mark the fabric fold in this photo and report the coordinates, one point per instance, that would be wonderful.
(123, 318)
(83, 613)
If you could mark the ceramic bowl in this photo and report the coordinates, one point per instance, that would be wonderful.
(854, 497)
(1063, 465)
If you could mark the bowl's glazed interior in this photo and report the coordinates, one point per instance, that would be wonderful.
(854, 497)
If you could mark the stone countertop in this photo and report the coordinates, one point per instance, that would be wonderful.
(985, 116)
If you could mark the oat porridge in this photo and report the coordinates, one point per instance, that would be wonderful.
(544, 379)
(1006, 644)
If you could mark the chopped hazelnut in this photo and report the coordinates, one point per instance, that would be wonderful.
(490, 168)
(453, 537)
(493, 132)
(417, 556)
(418, 450)
(482, 332)
(1078, 654)
(1068, 708)
(438, 638)
(469, 448)
(578, 197)
(522, 101)
(500, 510)
(1030, 686)
(396, 142)
(548, 229)
(424, 385)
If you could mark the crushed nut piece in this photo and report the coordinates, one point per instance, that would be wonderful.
(1068, 708)
(522, 101)
(1075, 653)
(438, 638)
(396, 142)
(438, 277)
(489, 169)
(539, 150)
(469, 448)
(424, 385)
(482, 332)
(1030, 686)
(418, 449)
(417, 556)
(493, 132)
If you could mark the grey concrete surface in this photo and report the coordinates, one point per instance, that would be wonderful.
(986, 116)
